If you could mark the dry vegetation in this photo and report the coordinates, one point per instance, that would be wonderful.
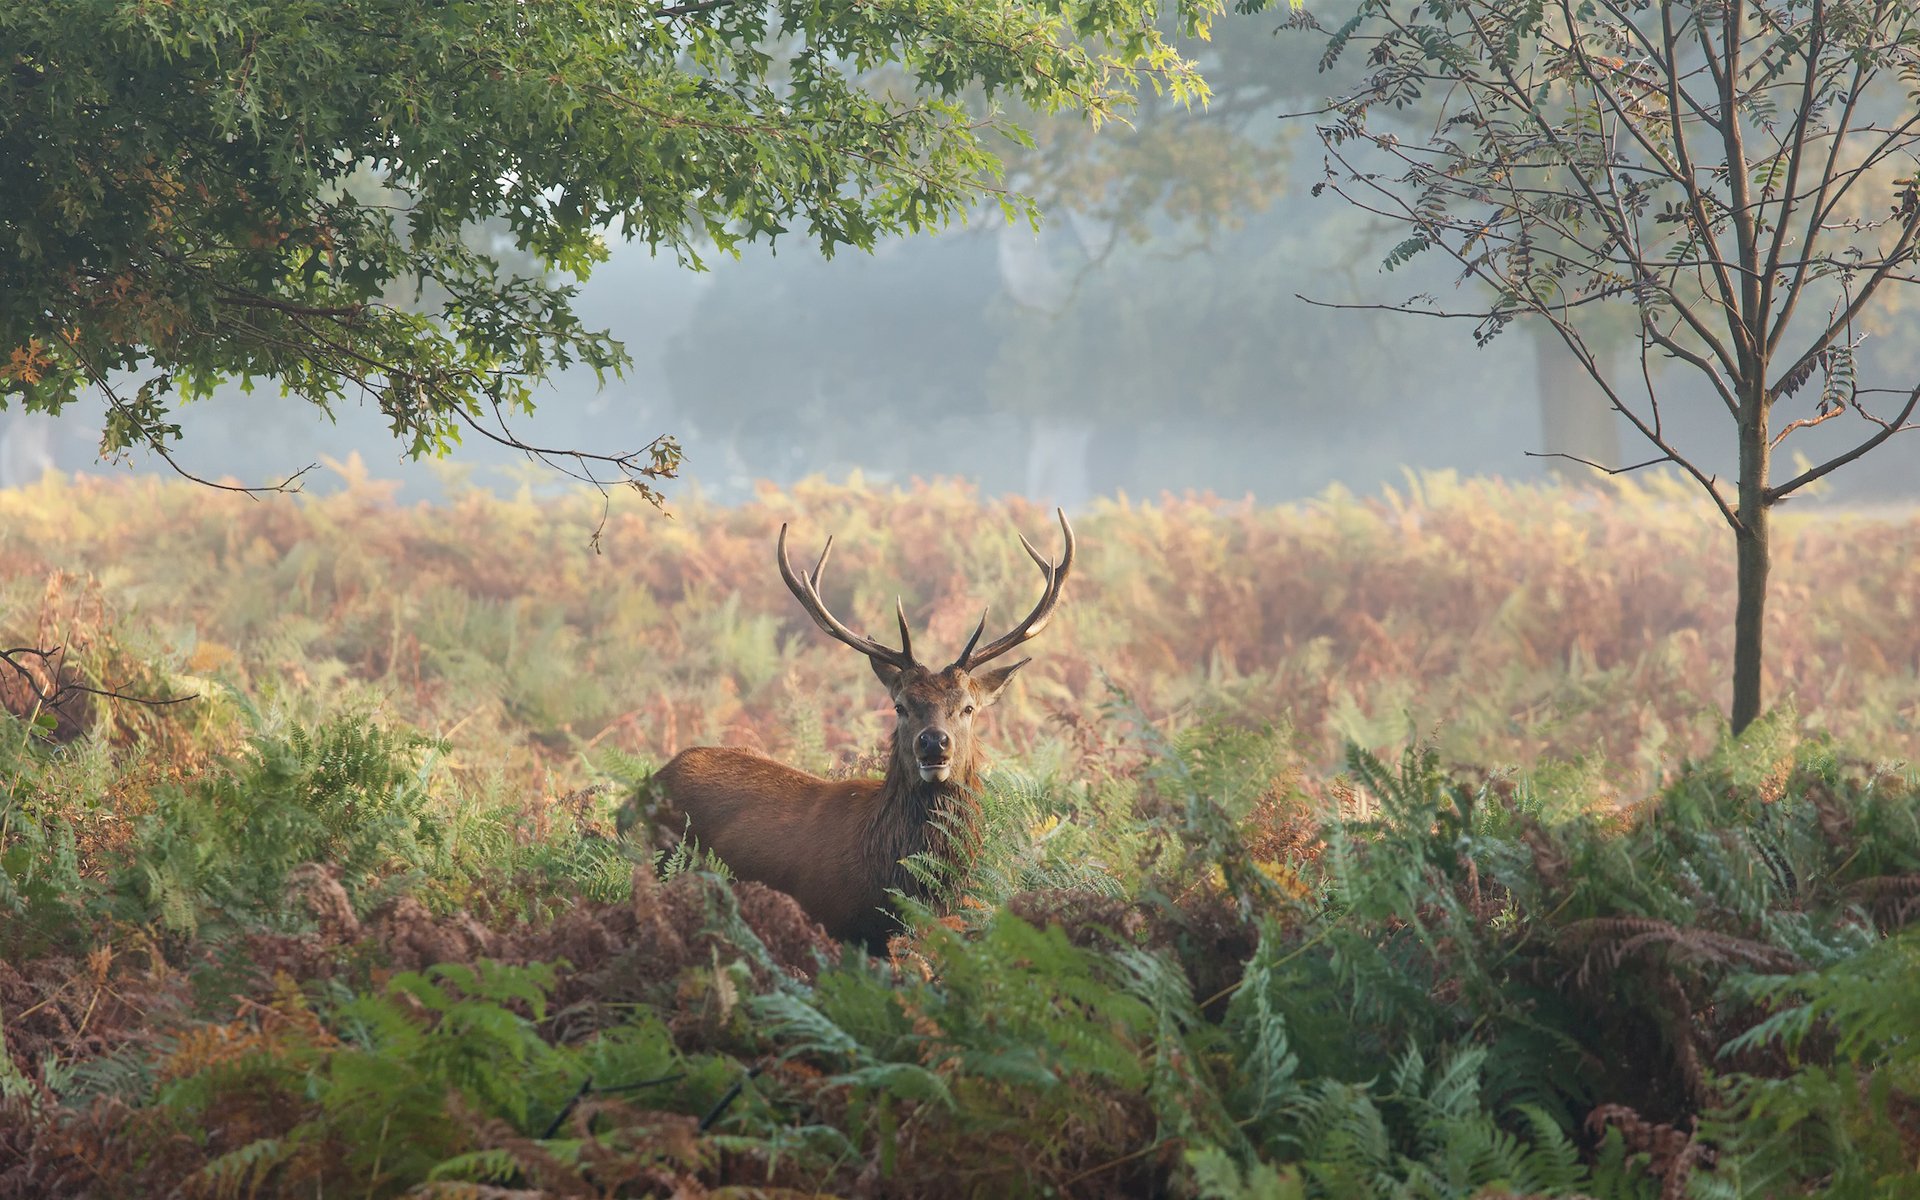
(361, 921)
(1512, 624)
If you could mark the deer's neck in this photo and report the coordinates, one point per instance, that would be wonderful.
(915, 816)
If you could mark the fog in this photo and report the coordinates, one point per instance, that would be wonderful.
(1130, 345)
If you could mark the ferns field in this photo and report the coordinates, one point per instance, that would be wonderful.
(1367, 847)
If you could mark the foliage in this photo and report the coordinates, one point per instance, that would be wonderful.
(278, 943)
(229, 189)
(1468, 973)
(1093, 316)
(229, 845)
(1841, 1115)
(1471, 609)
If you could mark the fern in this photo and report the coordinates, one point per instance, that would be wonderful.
(349, 795)
(245, 1171)
(1428, 1136)
(1834, 1120)
(1218, 1176)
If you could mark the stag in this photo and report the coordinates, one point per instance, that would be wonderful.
(839, 846)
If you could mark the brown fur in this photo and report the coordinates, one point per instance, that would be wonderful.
(837, 846)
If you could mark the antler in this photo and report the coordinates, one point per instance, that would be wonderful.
(806, 589)
(1041, 614)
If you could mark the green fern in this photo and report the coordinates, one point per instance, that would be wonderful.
(1427, 1136)
(1834, 1119)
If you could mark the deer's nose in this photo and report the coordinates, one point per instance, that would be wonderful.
(932, 744)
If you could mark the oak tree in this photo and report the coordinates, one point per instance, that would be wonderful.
(195, 191)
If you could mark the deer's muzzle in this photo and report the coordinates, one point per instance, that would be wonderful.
(933, 754)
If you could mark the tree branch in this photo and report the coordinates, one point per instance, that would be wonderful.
(1898, 425)
(1696, 203)
(349, 312)
(154, 444)
(1803, 119)
(1805, 423)
(59, 690)
(1604, 470)
(696, 6)
(1750, 326)
(1902, 251)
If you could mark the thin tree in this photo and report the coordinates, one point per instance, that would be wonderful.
(1741, 173)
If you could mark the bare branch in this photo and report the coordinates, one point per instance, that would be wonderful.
(1751, 324)
(1395, 308)
(1899, 424)
(1803, 119)
(1813, 226)
(62, 686)
(1656, 436)
(1902, 252)
(636, 467)
(1805, 423)
(1696, 202)
(1604, 470)
(1681, 173)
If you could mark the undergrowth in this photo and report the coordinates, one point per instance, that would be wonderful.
(319, 968)
(1468, 608)
(374, 917)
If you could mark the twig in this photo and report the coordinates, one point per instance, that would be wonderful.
(1395, 308)
(620, 722)
(153, 442)
(1605, 470)
(242, 300)
(55, 696)
(586, 1086)
(1887, 429)
(634, 474)
(697, 6)
(1806, 423)
(1124, 1159)
(727, 1098)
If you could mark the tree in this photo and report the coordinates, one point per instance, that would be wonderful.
(1740, 172)
(243, 189)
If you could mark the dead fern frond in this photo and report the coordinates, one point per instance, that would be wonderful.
(1892, 899)
(1673, 1154)
(1611, 941)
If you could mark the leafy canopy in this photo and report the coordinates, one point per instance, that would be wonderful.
(202, 190)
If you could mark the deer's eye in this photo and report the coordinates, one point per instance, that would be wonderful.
(900, 710)
(967, 711)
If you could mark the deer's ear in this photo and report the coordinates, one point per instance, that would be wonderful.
(992, 683)
(886, 672)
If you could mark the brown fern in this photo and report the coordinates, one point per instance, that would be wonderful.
(1673, 1154)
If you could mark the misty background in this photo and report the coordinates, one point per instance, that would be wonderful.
(1148, 337)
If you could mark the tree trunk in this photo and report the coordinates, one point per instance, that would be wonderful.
(1753, 543)
(1575, 417)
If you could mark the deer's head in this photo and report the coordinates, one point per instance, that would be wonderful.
(933, 740)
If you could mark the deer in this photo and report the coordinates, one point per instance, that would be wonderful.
(839, 847)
